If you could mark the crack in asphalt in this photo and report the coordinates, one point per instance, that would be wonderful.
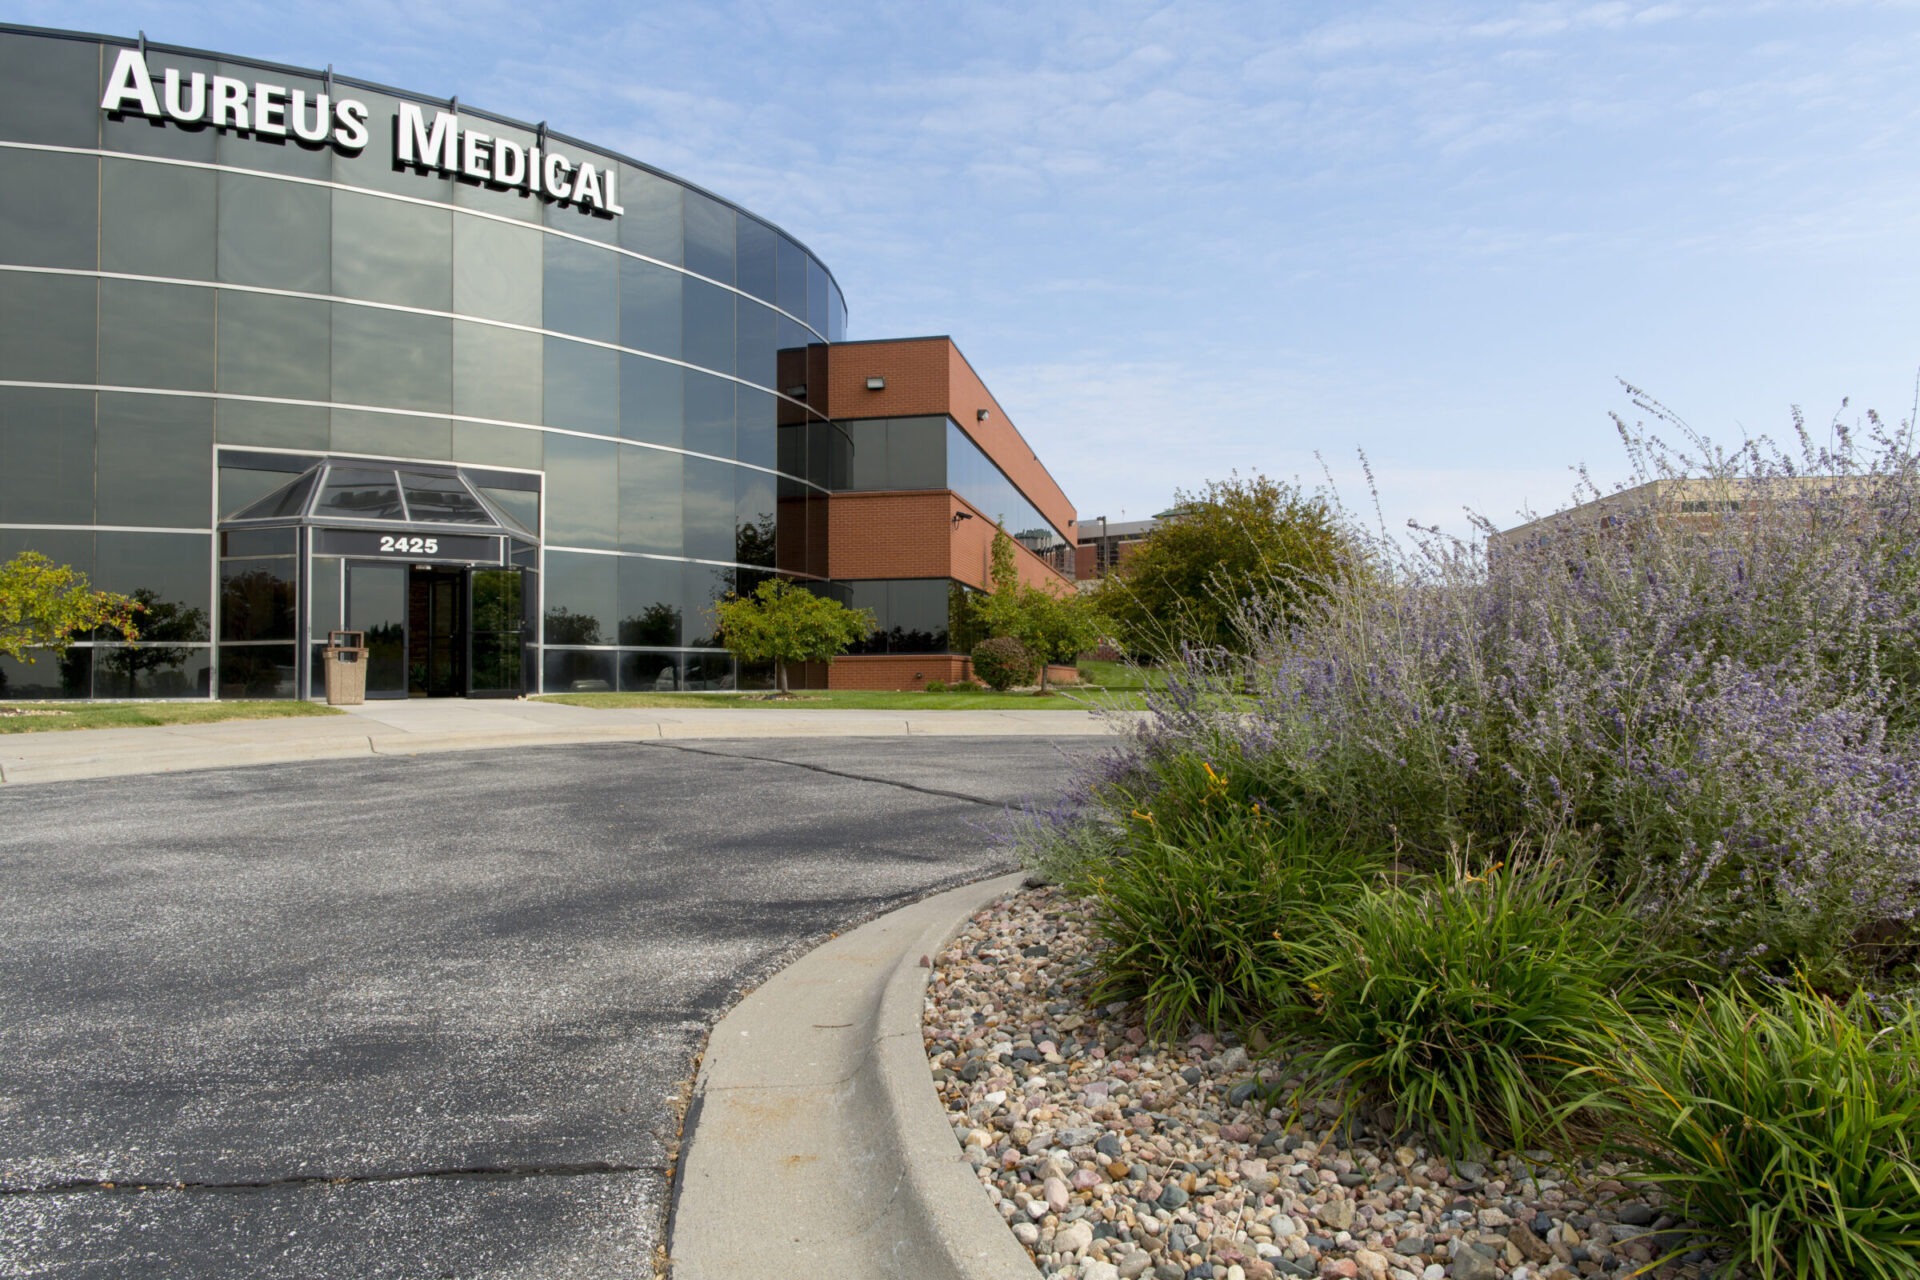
(832, 773)
(475, 1173)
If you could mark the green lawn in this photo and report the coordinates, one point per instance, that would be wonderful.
(862, 700)
(43, 716)
(1116, 675)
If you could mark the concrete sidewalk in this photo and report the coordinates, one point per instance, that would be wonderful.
(417, 726)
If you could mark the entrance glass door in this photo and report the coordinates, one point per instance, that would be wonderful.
(377, 605)
(437, 632)
(496, 633)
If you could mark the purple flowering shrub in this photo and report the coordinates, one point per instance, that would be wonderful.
(1707, 684)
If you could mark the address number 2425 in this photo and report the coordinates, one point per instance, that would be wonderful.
(409, 546)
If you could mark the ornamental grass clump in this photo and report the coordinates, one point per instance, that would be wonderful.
(1202, 915)
(1465, 1003)
(1783, 1124)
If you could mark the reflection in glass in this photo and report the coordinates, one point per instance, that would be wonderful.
(580, 671)
(46, 455)
(49, 208)
(706, 334)
(275, 234)
(377, 605)
(258, 671)
(156, 219)
(46, 677)
(753, 518)
(497, 270)
(153, 461)
(649, 672)
(156, 335)
(46, 91)
(757, 258)
(652, 400)
(582, 492)
(391, 251)
(581, 293)
(47, 327)
(709, 238)
(361, 494)
(650, 487)
(153, 669)
(441, 498)
(582, 386)
(273, 346)
(650, 307)
(165, 572)
(392, 358)
(581, 595)
(651, 596)
(652, 222)
(257, 599)
(497, 615)
(498, 373)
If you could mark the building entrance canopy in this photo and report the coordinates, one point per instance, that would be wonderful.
(407, 512)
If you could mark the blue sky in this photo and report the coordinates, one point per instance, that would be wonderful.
(1183, 239)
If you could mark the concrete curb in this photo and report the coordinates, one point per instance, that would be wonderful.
(816, 1143)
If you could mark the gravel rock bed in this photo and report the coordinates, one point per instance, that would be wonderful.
(1113, 1157)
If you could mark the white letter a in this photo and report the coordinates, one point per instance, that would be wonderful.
(130, 81)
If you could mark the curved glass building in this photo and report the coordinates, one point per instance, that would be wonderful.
(283, 353)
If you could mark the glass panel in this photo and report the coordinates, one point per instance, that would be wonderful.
(710, 414)
(470, 193)
(581, 598)
(497, 270)
(257, 149)
(390, 251)
(790, 532)
(441, 498)
(757, 419)
(47, 327)
(867, 458)
(49, 90)
(258, 670)
(246, 494)
(169, 573)
(495, 446)
(392, 435)
(239, 543)
(496, 631)
(704, 586)
(155, 464)
(580, 671)
(652, 400)
(650, 307)
(46, 456)
(706, 335)
(70, 676)
(325, 598)
(817, 297)
(139, 135)
(651, 224)
(392, 358)
(518, 505)
(256, 599)
(498, 373)
(583, 493)
(917, 453)
(649, 672)
(709, 238)
(837, 317)
(374, 169)
(754, 358)
(49, 208)
(156, 335)
(152, 670)
(581, 387)
(757, 258)
(70, 547)
(708, 503)
(361, 494)
(273, 426)
(651, 595)
(274, 346)
(753, 518)
(274, 234)
(156, 220)
(377, 605)
(650, 485)
(582, 290)
(791, 284)
(707, 671)
(578, 219)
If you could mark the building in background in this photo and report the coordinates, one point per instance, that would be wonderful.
(1104, 544)
(283, 352)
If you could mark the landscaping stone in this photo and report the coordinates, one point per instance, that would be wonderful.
(1118, 1156)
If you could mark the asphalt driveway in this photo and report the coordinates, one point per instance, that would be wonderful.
(423, 1016)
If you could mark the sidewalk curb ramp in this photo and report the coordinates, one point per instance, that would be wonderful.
(816, 1144)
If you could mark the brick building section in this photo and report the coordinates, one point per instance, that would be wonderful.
(924, 533)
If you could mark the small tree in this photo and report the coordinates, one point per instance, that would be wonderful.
(43, 605)
(1052, 627)
(781, 623)
(1002, 662)
(1236, 540)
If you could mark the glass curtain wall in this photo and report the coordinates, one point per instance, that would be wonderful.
(166, 290)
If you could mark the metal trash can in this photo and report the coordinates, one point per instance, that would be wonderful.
(346, 655)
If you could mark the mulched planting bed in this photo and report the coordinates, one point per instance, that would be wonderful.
(1111, 1155)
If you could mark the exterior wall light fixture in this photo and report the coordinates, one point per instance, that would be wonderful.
(958, 516)
(876, 384)
(981, 415)
(799, 392)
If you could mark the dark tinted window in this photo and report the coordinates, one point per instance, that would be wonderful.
(498, 373)
(652, 222)
(709, 238)
(276, 426)
(166, 572)
(650, 307)
(706, 337)
(583, 492)
(817, 302)
(650, 601)
(650, 495)
(754, 358)
(403, 435)
(581, 600)
(708, 504)
(154, 461)
(580, 671)
(49, 208)
(582, 290)
(497, 270)
(361, 494)
(440, 498)
(710, 414)
(392, 251)
(758, 259)
(753, 517)
(392, 358)
(275, 346)
(256, 599)
(756, 419)
(46, 456)
(49, 91)
(791, 285)
(275, 234)
(156, 219)
(652, 395)
(582, 387)
(156, 335)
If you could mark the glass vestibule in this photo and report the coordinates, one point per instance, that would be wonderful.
(415, 557)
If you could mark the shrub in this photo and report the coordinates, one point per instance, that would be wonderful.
(1200, 919)
(1002, 662)
(936, 686)
(1458, 1001)
(1785, 1125)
